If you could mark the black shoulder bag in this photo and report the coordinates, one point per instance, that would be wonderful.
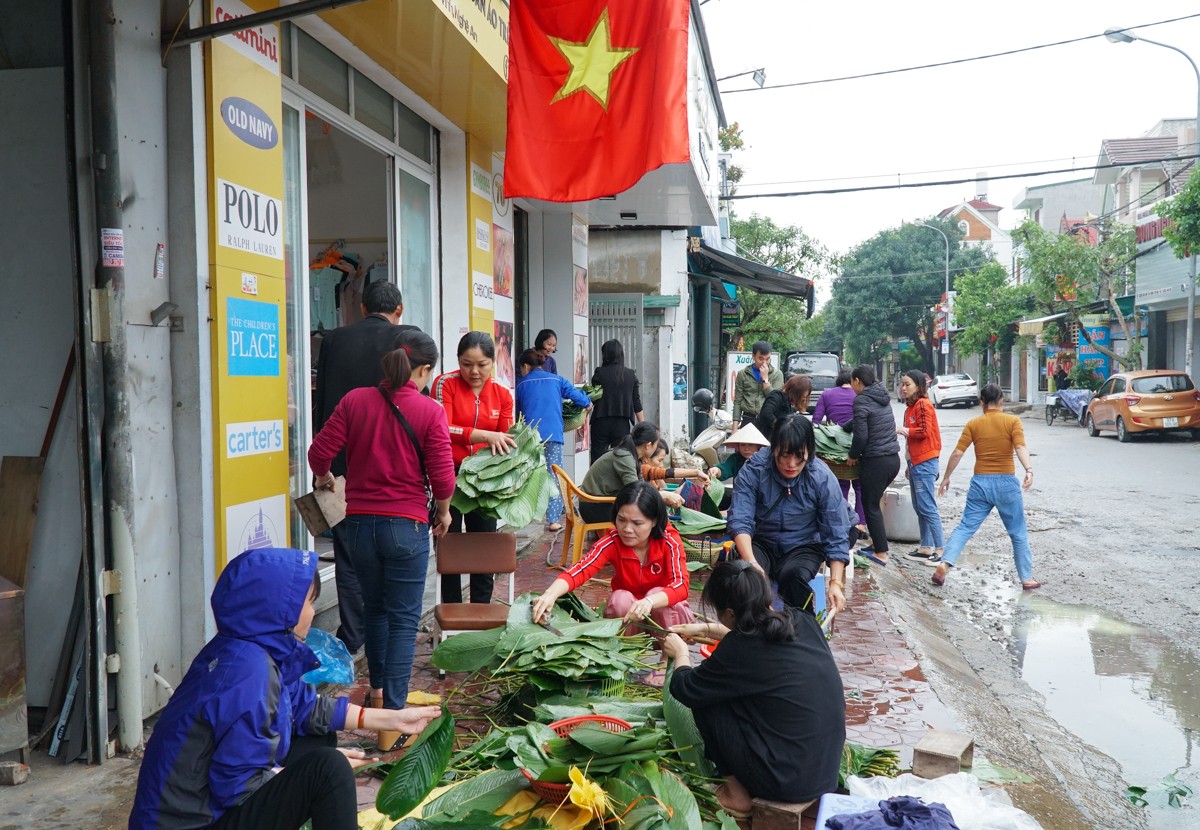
(412, 436)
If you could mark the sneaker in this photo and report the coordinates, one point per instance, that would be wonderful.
(935, 560)
(919, 554)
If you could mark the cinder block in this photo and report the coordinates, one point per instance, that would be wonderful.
(12, 773)
(942, 753)
(777, 815)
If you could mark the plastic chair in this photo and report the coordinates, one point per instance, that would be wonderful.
(575, 526)
(474, 553)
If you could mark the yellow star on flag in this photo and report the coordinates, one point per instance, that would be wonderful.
(592, 63)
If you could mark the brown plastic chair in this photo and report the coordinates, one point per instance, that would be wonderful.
(576, 527)
(474, 553)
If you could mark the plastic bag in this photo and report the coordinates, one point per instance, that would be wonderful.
(973, 808)
(337, 666)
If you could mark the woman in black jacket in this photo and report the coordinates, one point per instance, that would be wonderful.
(793, 397)
(620, 405)
(876, 451)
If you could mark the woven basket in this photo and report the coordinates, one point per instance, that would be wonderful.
(841, 470)
(557, 793)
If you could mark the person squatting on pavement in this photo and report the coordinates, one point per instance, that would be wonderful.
(788, 516)
(769, 702)
(996, 436)
(244, 743)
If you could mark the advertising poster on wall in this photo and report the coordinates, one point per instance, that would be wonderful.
(502, 260)
(1097, 329)
(581, 291)
(581, 359)
(734, 363)
(679, 391)
(505, 373)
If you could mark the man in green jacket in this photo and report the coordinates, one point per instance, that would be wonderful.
(754, 383)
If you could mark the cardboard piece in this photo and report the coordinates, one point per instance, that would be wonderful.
(323, 509)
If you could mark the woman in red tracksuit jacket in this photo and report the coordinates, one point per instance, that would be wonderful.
(924, 437)
(479, 412)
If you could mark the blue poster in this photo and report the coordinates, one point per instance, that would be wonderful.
(253, 332)
(1097, 329)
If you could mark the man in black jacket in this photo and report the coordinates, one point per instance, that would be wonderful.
(350, 359)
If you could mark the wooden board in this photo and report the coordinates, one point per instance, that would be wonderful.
(20, 484)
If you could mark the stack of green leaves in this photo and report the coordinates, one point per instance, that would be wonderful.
(694, 523)
(586, 655)
(833, 442)
(574, 414)
(591, 747)
(515, 487)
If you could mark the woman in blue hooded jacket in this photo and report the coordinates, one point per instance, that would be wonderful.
(244, 742)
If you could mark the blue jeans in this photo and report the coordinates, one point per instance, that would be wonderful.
(1003, 492)
(923, 481)
(390, 556)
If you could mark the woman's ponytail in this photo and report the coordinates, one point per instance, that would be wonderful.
(413, 348)
(738, 586)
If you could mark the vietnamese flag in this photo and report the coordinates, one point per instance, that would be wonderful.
(597, 95)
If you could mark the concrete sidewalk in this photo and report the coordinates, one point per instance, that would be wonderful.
(889, 702)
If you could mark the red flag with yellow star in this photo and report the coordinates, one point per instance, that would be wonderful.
(597, 95)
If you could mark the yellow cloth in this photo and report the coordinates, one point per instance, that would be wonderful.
(996, 435)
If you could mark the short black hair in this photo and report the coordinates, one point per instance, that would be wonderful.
(646, 498)
(991, 393)
(864, 373)
(794, 435)
(532, 358)
(843, 377)
(761, 347)
(382, 297)
(542, 337)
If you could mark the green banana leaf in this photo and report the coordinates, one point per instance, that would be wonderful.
(486, 792)
(716, 490)
(684, 733)
(694, 523)
(469, 651)
(414, 775)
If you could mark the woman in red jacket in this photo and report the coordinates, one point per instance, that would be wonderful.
(479, 412)
(924, 436)
(387, 509)
(650, 575)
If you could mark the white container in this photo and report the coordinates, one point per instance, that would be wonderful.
(899, 518)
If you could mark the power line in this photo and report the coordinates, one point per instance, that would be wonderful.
(956, 61)
(907, 185)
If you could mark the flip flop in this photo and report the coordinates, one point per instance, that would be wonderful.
(872, 557)
(656, 678)
(1031, 585)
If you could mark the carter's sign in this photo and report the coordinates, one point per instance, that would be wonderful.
(253, 438)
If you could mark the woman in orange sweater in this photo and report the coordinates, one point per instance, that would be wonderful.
(924, 436)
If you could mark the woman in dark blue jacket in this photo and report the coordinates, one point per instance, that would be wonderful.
(540, 397)
(876, 451)
(243, 710)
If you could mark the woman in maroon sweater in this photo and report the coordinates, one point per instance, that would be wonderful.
(387, 512)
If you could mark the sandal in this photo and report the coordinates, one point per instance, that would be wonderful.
(870, 555)
(1031, 585)
(939, 576)
(921, 555)
(554, 527)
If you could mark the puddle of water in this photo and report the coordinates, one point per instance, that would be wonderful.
(1128, 692)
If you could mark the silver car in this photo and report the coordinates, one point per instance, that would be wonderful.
(954, 389)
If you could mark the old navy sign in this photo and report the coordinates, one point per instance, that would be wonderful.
(253, 332)
(249, 122)
(248, 220)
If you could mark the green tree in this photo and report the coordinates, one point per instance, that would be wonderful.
(985, 307)
(1183, 209)
(889, 288)
(1067, 274)
(767, 316)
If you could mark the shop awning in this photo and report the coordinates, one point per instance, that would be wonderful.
(726, 267)
(1038, 324)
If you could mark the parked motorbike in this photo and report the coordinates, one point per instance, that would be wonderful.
(710, 443)
(1055, 409)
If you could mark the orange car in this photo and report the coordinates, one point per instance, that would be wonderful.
(1154, 400)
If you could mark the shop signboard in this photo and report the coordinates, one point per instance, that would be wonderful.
(1096, 326)
(1162, 277)
(250, 399)
(484, 25)
(731, 315)
(734, 363)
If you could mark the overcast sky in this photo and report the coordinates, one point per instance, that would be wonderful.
(1045, 109)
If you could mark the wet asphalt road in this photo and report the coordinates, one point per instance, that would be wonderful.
(1092, 682)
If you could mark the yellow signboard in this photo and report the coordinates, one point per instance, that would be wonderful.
(247, 285)
(479, 218)
(484, 23)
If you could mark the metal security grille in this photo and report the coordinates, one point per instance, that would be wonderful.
(617, 317)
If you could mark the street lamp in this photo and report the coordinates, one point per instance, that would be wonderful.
(946, 298)
(1123, 36)
(759, 76)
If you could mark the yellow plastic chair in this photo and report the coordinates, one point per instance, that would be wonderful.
(574, 525)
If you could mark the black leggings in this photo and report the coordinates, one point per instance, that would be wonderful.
(605, 432)
(594, 513)
(876, 473)
(316, 783)
(481, 584)
(791, 569)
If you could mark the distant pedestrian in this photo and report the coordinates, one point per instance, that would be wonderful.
(780, 403)
(621, 404)
(836, 405)
(924, 437)
(996, 436)
(540, 398)
(876, 452)
(752, 385)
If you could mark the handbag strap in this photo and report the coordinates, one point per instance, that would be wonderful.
(412, 436)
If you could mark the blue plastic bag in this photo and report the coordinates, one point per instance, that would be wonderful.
(337, 667)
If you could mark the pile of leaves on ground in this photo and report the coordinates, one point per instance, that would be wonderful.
(573, 414)
(833, 442)
(515, 487)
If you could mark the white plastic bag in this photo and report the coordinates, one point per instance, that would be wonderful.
(972, 808)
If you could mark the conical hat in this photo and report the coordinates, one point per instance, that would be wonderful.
(748, 434)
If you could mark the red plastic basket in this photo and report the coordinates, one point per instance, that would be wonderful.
(557, 793)
(707, 650)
